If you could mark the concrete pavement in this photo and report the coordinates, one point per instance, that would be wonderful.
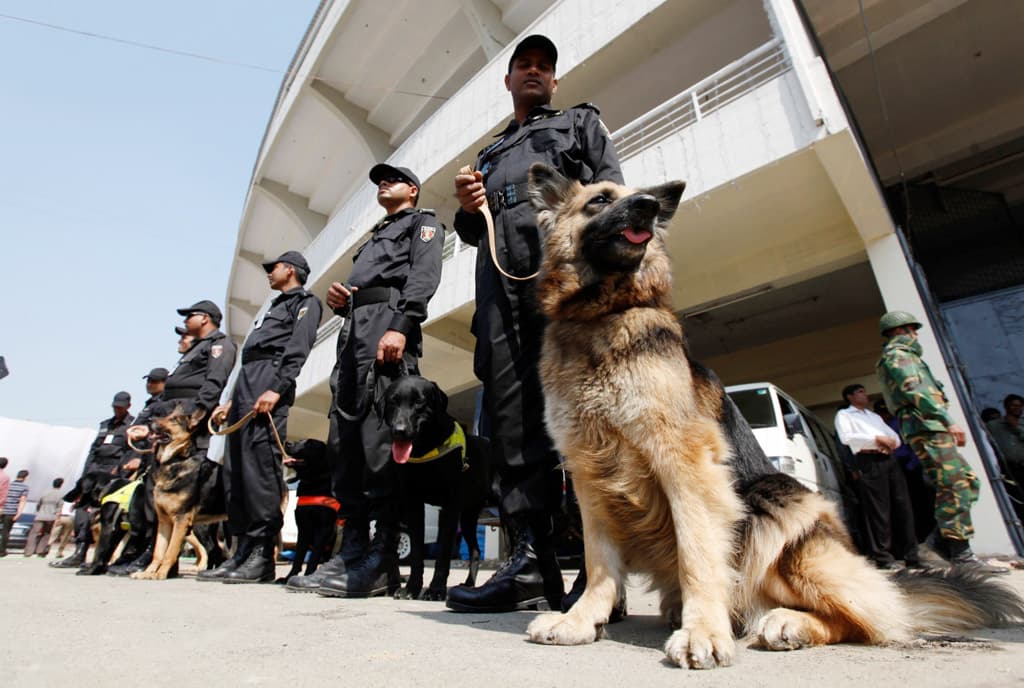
(62, 629)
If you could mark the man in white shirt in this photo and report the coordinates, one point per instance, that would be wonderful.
(885, 502)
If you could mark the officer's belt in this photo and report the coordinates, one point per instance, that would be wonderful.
(370, 295)
(508, 196)
(252, 356)
(182, 392)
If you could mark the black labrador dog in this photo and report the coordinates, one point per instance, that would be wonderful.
(439, 464)
(316, 512)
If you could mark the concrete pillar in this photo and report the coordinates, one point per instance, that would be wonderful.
(899, 291)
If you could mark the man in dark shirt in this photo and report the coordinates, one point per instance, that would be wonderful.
(200, 377)
(507, 323)
(272, 357)
(395, 274)
(106, 455)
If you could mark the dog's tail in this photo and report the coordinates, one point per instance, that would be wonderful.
(957, 599)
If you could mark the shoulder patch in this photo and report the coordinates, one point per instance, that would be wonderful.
(427, 233)
(586, 106)
(302, 312)
(216, 350)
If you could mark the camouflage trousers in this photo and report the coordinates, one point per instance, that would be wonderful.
(956, 485)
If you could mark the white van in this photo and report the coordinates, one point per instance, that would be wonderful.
(795, 441)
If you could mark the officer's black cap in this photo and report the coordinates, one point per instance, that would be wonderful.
(157, 375)
(122, 399)
(382, 170)
(534, 42)
(204, 306)
(291, 257)
(180, 331)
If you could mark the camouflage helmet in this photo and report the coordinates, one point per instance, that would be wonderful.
(894, 319)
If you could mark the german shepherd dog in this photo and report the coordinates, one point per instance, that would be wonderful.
(458, 479)
(188, 489)
(667, 482)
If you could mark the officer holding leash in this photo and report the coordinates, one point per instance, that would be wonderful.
(272, 357)
(200, 377)
(507, 323)
(395, 274)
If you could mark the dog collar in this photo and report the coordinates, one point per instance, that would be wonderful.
(456, 440)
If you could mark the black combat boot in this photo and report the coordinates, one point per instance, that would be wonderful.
(355, 543)
(94, 569)
(372, 575)
(258, 567)
(245, 546)
(961, 557)
(127, 568)
(76, 559)
(529, 579)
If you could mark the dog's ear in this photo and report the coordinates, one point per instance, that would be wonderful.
(668, 195)
(442, 398)
(548, 190)
(196, 417)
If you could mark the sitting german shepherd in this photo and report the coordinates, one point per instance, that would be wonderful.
(438, 463)
(667, 481)
(188, 489)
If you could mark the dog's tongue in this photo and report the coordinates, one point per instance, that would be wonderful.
(401, 451)
(636, 236)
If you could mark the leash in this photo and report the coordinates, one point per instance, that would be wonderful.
(485, 210)
(240, 423)
(135, 449)
(364, 405)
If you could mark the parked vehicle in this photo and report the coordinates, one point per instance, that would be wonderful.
(796, 442)
(19, 531)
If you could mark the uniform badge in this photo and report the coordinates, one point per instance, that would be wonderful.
(427, 233)
(216, 350)
(302, 312)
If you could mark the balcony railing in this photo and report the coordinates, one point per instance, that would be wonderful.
(754, 69)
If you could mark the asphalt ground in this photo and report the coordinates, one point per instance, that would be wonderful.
(60, 629)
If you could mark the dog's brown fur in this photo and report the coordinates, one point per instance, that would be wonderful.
(177, 509)
(641, 428)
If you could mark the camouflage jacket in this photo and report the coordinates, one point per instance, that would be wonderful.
(910, 389)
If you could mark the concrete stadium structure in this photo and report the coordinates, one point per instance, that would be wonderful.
(785, 249)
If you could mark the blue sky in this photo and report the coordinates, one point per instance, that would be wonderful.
(123, 173)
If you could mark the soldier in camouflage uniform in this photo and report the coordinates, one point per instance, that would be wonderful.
(917, 400)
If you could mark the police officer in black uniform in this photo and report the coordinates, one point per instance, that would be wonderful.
(272, 357)
(507, 323)
(395, 274)
(107, 453)
(135, 462)
(200, 377)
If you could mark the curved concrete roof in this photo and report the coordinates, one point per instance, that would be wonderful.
(366, 75)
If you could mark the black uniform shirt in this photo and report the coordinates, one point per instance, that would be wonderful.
(203, 371)
(110, 447)
(286, 333)
(573, 141)
(404, 253)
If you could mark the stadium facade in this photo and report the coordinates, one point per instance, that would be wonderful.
(785, 248)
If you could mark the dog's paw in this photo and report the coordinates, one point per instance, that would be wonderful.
(562, 629)
(142, 575)
(434, 594)
(784, 629)
(407, 593)
(700, 648)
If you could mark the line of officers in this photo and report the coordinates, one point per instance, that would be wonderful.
(384, 302)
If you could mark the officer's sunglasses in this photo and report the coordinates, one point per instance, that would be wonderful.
(194, 313)
(394, 180)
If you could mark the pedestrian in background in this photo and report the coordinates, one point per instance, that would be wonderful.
(47, 512)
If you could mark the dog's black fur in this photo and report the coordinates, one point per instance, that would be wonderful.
(416, 410)
(110, 519)
(317, 525)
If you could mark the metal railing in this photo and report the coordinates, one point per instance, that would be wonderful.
(754, 69)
